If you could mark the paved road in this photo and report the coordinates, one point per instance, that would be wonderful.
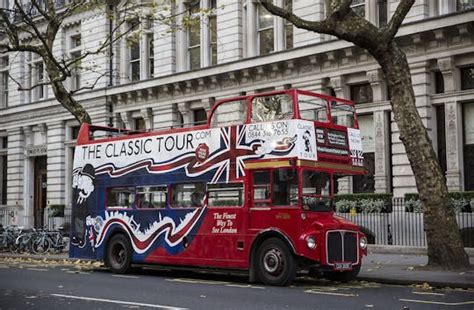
(28, 284)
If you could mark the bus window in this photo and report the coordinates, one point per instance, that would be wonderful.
(230, 194)
(189, 195)
(342, 114)
(230, 113)
(150, 197)
(272, 108)
(120, 197)
(316, 191)
(284, 187)
(261, 187)
(313, 108)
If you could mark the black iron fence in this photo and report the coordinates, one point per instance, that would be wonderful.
(402, 227)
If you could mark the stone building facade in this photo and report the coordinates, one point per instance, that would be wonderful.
(173, 78)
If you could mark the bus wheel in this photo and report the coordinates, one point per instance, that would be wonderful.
(342, 276)
(119, 254)
(275, 263)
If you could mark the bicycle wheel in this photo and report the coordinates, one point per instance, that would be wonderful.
(41, 246)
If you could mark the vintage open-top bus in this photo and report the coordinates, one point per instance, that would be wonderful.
(250, 190)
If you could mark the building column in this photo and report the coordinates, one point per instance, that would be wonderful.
(15, 176)
(127, 119)
(342, 91)
(454, 146)
(377, 83)
(181, 40)
(147, 115)
(185, 109)
(56, 165)
(230, 43)
(382, 151)
(252, 44)
(165, 117)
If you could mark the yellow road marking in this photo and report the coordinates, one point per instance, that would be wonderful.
(471, 302)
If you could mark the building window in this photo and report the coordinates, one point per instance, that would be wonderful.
(213, 32)
(151, 56)
(288, 6)
(366, 183)
(3, 170)
(200, 116)
(265, 34)
(361, 93)
(382, 12)
(75, 54)
(468, 135)
(140, 124)
(39, 77)
(441, 136)
(439, 82)
(4, 65)
(194, 36)
(358, 6)
(462, 5)
(135, 61)
(467, 78)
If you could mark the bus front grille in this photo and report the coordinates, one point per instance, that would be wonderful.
(341, 246)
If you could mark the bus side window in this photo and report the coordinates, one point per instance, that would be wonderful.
(261, 187)
(270, 108)
(188, 195)
(120, 197)
(151, 197)
(225, 194)
(284, 187)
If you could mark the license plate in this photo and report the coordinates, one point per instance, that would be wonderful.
(343, 266)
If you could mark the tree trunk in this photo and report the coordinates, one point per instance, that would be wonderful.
(445, 247)
(64, 96)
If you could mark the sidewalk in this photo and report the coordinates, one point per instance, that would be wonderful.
(383, 264)
(406, 265)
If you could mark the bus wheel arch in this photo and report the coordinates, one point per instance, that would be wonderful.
(118, 252)
(272, 259)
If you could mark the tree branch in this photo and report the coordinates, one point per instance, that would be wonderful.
(317, 26)
(393, 25)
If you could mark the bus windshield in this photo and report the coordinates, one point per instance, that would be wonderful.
(316, 191)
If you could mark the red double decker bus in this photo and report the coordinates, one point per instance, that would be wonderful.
(250, 190)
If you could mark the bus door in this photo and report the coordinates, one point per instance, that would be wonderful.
(274, 201)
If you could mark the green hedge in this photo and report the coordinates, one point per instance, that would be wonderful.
(462, 201)
(363, 203)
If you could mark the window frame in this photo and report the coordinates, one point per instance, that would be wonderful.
(242, 197)
(131, 205)
(4, 78)
(260, 30)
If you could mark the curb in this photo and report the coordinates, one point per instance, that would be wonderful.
(408, 250)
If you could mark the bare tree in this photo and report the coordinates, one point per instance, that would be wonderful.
(33, 26)
(445, 247)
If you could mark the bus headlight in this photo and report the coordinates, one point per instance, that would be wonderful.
(311, 242)
(363, 243)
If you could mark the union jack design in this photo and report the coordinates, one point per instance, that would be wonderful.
(227, 161)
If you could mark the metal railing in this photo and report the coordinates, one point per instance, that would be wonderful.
(400, 227)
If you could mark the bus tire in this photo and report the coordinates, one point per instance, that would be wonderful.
(275, 263)
(342, 276)
(119, 254)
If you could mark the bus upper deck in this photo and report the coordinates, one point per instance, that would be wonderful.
(289, 126)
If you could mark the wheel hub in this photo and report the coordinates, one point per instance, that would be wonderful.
(273, 261)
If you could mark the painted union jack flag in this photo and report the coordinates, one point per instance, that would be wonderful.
(227, 160)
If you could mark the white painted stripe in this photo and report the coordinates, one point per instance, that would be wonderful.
(118, 302)
(428, 293)
(246, 286)
(197, 281)
(124, 276)
(471, 302)
(331, 293)
(37, 269)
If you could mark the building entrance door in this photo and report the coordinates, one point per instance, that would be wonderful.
(39, 190)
